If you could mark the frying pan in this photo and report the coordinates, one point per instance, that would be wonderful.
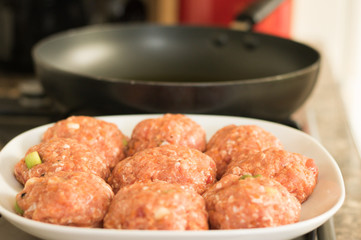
(184, 69)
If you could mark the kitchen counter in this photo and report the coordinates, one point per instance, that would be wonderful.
(326, 108)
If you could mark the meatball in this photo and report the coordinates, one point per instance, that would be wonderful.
(66, 198)
(104, 137)
(62, 154)
(175, 129)
(171, 163)
(294, 171)
(157, 206)
(250, 202)
(232, 140)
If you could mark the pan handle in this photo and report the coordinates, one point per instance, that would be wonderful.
(254, 13)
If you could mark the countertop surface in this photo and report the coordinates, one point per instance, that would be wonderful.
(325, 109)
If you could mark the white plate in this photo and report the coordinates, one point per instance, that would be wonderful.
(324, 202)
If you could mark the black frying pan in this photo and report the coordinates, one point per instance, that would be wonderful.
(186, 69)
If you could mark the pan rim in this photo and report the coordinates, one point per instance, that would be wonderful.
(110, 27)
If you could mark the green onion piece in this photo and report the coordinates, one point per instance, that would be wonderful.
(18, 209)
(248, 176)
(32, 159)
(245, 176)
(125, 142)
(168, 190)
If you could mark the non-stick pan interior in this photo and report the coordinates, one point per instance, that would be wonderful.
(172, 54)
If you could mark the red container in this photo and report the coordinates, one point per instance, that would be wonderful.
(222, 13)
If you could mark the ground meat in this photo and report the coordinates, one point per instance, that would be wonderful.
(102, 136)
(252, 202)
(73, 199)
(232, 140)
(294, 171)
(175, 129)
(171, 163)
(62, 154)
(157, 206)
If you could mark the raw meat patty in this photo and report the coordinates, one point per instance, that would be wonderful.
(232, 140)
(252, 202)
(171, 163)
(157, 206)
(294, 171)
(175, 129)
(66, 198)
(104, 137)
(62, 154)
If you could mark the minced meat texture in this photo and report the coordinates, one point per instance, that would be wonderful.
(232, 140)
(171, 163)
(237, 202)
(62, 154)
(159, 174)
(157, 206)
(296, 172)
(176, 129)
(66, 198)
(104, 137)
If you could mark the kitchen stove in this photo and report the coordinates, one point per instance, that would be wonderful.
(23, 105)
